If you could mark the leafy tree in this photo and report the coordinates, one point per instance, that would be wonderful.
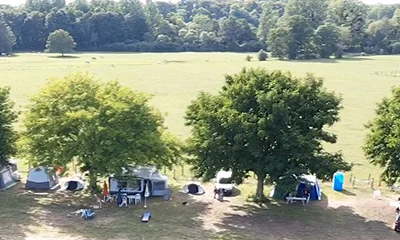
(269, 123)
(350, 14)
(60, 41)
(202, 23)
(380, 11)
(269, 20)
(15, 20)
(58, 20)
(381, 34)
(103, 126)
(382, 142)
(326, 40)
(104, 25)
(34, 32)
(295, 36)
(7, 38)
(136, 26)
(7, 134)
(314, 11)
(278, 42)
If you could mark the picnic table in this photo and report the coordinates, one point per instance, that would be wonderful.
(292, 199)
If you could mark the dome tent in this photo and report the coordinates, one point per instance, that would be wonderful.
(74, 184)
(42, 178)
(193, 188)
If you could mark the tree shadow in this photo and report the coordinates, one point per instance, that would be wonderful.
(15, 220)
(347, 193)
(56, 209)
(64, 57)
(315, 220)
(331, 60)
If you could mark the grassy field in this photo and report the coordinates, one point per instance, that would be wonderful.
(175, 80)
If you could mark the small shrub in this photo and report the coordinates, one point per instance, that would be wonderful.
(262, 55)
(248, 58)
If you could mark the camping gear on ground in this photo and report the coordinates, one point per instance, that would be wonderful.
(42, 178)
(146, 217)
(193, 188)
(6, 178)
(87, 214)
(74, 184)
(338, 181)
(224, 181)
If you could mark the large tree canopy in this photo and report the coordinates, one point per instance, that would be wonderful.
(104, 126)
(7, 133)
(60, 41)
(269, 123)
(382, 146)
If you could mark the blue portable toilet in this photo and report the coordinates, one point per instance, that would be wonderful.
(338, 180)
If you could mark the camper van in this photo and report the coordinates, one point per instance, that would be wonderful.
(224, 181)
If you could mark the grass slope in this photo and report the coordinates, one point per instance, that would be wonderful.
(175, 80)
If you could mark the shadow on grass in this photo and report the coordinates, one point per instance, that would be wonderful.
(170, 219)
(65, 57)
(15, 209)
(347, 193)
(315, 220)
(332, 60)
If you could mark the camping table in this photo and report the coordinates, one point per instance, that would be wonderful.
(293, 199)
(134, 198)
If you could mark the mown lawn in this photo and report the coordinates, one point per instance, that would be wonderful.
(174, 80)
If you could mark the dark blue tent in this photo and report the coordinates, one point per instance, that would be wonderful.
(305, 181)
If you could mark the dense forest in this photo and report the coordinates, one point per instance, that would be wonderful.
(293, 29)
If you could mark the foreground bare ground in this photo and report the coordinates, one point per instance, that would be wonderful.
(27, 215)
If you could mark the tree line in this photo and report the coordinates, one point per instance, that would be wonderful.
(293, 29)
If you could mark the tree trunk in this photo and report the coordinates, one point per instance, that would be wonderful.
(260, 186)
(62, 54)
(92, 182)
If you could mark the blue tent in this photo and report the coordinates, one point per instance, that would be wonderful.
(305, 181)
(310, 182)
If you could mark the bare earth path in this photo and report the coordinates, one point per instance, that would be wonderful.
(356, 216)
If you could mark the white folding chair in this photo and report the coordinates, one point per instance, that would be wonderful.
(124, 201)
(109, 198)
(138, 198)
